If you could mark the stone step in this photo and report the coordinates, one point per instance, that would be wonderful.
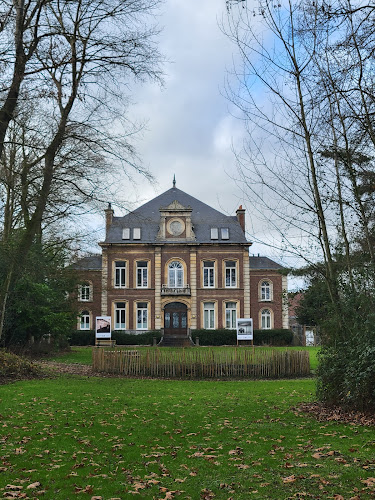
(175, 341)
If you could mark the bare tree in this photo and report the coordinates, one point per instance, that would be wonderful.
(306, 93)
(81, 56)
(277, 97)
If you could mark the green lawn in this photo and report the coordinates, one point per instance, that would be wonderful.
(83, 354)
(114, 438)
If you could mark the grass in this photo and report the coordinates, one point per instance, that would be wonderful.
(163, 439)
(83, 354)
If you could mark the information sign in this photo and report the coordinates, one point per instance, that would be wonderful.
(244, 329)
(103, 327)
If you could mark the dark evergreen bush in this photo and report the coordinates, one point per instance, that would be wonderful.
(277, 337)
(146, 338)
(346, 369)
(82, 337)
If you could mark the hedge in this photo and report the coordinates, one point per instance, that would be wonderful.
(87, 337)
(146, 338)
(275, 337)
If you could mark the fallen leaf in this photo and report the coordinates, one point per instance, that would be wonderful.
(33, 485)
(289, 479)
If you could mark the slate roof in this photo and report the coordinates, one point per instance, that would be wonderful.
(89, 263)
(264, 263)
(147, 217)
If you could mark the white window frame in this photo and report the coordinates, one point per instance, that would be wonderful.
(120, 274)
(231, 315)
(142, 315)
(209, 315)
(265, 290)
(136, 233)
(208, 274)
(126, 233)
(214, 233)
(142, 274)
(120, 316)
(84, 323)
(85, 292)
(175, 274)
(225, 233)
(230, 274)
(266, 319)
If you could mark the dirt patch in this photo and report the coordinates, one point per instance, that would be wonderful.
(72, 368)
(325, 413)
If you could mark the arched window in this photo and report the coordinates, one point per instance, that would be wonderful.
(266, 319)
(85, 320)
(265, 290)
(175, 275)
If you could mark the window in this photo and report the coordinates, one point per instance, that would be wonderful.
(214, 233)
(126, 233)
(230, 274)
(224, 233)
(120, 316)
(209, 274)
(209, 315)
(84, 292)
(175, 275)
(120, 269)
(142, 274)
(85, 320)
(231, 315)
(265, 290)
(137, 233)
(265, 319)
(142, 315)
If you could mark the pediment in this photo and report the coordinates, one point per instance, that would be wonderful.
(175, 205)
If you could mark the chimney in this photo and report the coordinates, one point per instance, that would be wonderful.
(108, 217)
(241, 217)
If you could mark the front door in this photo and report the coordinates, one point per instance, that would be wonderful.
(175, 319)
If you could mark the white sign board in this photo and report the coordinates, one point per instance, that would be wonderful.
(244, 329)
(309, 337)
(103, 327)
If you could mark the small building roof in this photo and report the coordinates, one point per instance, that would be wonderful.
(88, 263)
(147, 218)
(264, 263)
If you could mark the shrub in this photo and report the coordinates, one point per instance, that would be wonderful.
(146, 338)
(82, 337)
(277, 337)
(87, 337)
(346, 373)
(13, 367)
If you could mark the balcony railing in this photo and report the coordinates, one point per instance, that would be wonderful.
(167, 290)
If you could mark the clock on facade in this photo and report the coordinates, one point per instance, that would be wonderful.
(176, 227)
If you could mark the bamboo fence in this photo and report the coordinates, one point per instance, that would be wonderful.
(202, 363)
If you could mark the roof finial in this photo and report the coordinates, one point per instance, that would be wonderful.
(174, 180)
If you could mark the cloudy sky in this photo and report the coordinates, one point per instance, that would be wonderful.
(189, 127)
(190, 124)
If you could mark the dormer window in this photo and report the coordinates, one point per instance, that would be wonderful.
(137, 233)
(126, 233)
(214, 233)
(224, 233)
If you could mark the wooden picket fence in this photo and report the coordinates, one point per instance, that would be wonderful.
(202, 363)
